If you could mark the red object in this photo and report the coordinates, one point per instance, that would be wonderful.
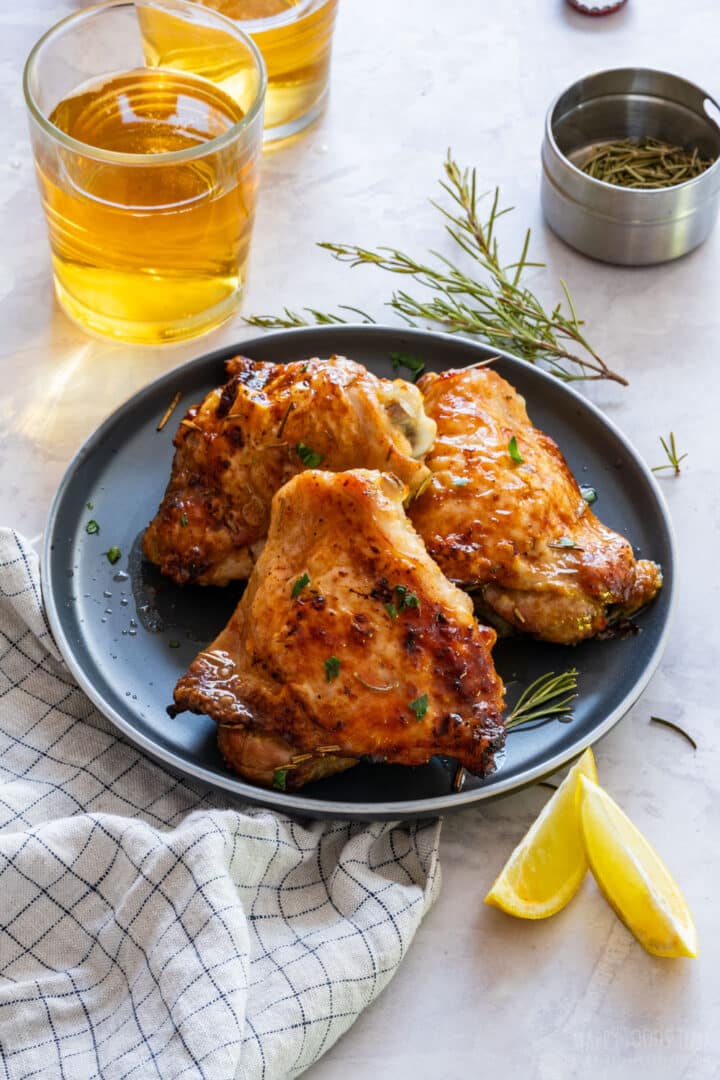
(596, 7)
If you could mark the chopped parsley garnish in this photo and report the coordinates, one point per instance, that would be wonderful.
(300, 585)
(280, 779)
(392, 611)
(174, 644)
(112, 555)
(183, 519)
(89, 505)
(92, 527)
(308, 456)
(514, 452)
(564, 542)
(405, 598)
(419, 706)
(588, 493)
(332, 668)
(414, 364)
(412, 601)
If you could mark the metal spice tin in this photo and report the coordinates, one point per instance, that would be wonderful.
(625, 225)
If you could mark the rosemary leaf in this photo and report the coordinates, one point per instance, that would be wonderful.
(373, 686)
(169, 411)
(674, 727)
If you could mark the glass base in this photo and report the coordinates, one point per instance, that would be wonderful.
(145, 333)
(280, 133)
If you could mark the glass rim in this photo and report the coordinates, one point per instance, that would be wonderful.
(167, 156)
(297, 11)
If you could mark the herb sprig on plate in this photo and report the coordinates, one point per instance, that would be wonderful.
(549, 695)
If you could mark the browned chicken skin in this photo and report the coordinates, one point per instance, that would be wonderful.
(348, 642)
(519, 534)
(247, 438)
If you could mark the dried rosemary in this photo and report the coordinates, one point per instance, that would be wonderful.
(645, 163)
(169, 411)
(488, 301)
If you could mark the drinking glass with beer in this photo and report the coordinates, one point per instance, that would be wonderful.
(147, 164)
(295, 39)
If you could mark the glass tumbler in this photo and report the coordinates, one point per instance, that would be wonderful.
(295, 38)
(147, 164)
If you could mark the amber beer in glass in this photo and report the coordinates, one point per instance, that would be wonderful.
(147, 165)
(295, 38)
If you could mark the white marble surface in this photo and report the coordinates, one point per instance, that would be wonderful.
(479, 994)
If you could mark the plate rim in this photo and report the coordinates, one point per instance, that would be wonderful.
(335, 808)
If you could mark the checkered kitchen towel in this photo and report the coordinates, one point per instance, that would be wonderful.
(150, 927)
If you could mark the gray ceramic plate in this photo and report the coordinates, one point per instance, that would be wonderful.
(127, 635)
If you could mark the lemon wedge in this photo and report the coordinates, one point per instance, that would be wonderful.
(632, 877)
(546, 868)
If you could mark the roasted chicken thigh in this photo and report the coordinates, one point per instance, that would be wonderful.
(348, 642)
(248, 437)
(504, 517)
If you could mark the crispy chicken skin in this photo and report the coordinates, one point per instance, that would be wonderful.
(348, 642)
(248, 437)
(519, 534)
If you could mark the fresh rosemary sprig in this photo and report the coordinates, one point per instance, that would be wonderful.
(549, 695)
(312, 317)
(673, 457)
(494, 306)
(644, 163)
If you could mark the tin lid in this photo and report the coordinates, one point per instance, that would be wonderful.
(597, 7)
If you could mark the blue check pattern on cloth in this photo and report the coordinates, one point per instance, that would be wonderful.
(150, 927)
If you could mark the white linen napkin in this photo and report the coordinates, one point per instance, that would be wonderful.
(152, 927)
